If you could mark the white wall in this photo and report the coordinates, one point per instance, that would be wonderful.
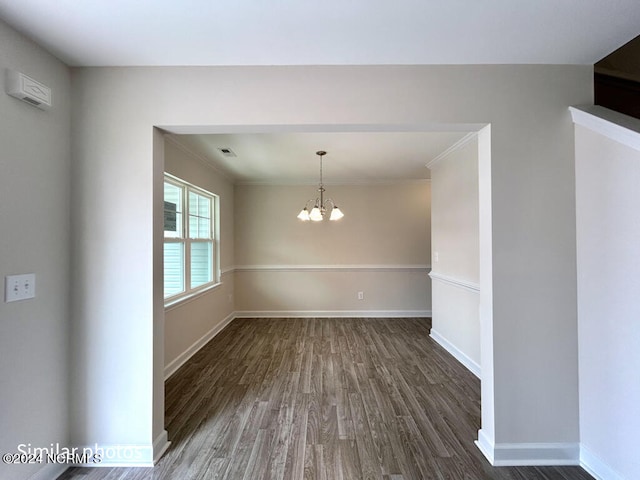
(534, 374)
(289, 267)
(608, 240)
(191, 322)
(114, 370)
(34, 238)
(455, 245)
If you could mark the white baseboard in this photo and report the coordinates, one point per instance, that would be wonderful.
(160, 445)
(49, 471)
(596, 467)
(333, 313)
(175, 364)
(485, 445)
(528, 454)
(458, 354)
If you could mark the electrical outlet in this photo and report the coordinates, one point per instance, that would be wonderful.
(360, 295)
(19, 287)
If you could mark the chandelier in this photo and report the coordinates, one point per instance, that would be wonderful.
(320, 205)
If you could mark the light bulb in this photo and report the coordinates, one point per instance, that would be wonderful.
(316, 214)
(336, 214)
(304, 215)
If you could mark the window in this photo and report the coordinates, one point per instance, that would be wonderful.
(190, 247)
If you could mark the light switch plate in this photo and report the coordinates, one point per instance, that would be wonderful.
(19, 287)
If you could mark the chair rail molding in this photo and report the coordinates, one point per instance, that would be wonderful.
(471, 286)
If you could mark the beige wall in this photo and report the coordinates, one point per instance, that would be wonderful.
(189, 321)
(34, 238)
(188, 166)
(455, 214)
(456, 249)
(386, 224)
(380, 248)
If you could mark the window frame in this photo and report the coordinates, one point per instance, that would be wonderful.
(185, 239)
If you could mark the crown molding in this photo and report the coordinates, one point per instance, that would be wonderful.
(169, 137)
(456, 146)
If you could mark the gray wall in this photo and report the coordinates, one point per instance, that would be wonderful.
(34, 238)
(534, 371)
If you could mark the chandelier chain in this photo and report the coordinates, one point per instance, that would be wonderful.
(321, 154)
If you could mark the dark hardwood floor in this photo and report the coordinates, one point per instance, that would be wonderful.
(324, 399)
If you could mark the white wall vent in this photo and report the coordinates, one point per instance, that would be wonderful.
(28, 90)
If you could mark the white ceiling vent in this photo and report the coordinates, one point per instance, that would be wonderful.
(28, 90)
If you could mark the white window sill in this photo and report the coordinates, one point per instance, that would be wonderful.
(179, 301)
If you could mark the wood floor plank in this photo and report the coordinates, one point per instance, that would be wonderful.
(378, 421)
(345, 424)
(370, 468)
(281, 440)
(349, 459)
(323, 399)
(296, 456)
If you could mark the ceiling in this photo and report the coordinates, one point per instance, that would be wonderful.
(352, 158)
(330, 32)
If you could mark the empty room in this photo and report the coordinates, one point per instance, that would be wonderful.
(319, 241)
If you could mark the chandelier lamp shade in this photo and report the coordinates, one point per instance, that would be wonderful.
(320, 205)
